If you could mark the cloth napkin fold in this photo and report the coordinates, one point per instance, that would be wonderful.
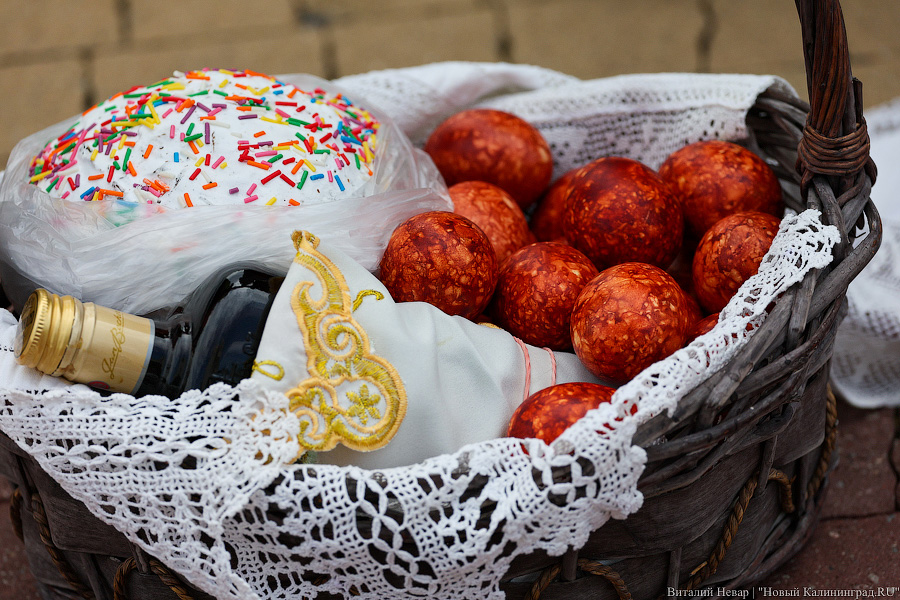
(361, 370)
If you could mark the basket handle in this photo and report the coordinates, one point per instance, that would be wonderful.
(835, 139)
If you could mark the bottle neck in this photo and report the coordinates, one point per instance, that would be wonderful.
(83, 342)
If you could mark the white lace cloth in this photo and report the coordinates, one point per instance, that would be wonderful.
(243, 523)
(866, 366)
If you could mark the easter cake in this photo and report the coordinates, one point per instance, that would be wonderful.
(212, 137)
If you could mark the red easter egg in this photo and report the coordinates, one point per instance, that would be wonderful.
(441, 258)
(619, 210)
(493, 146)
(714, 179)
(552, 410)
(694, 311)
(704, 325)
(547, 218)
(495, 212)
(536, 291)
(728, 254)
(680, 268)
(628, 317)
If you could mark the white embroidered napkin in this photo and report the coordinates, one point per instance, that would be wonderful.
(361, 370)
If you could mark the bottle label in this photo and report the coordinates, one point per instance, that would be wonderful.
(116, 351)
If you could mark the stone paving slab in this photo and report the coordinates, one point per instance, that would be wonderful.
(48, 25)
(895, 462)
(846, 554)
(56, 53)
(864, 482)
(856, 545)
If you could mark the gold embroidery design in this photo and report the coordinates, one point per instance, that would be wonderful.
(359, 297)
(351, 396)
(277, 373)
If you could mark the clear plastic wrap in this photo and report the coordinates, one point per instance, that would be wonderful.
(142, 257)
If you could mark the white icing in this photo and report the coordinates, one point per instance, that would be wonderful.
(223, 101)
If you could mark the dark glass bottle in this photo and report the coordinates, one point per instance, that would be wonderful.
(213, 337)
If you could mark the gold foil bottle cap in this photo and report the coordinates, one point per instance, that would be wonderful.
(45, 330)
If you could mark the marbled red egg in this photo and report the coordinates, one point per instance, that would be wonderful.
(680, 268)
(619, 210)
(552, 410)
(493, 146)
(695, 312)
(628, 317)
(547, 218)
(441, 258)
(704, 325)
(536, 291)
(728, 254)
(715, 178)
(495, 212)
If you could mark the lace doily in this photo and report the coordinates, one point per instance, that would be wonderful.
(204, 484)
(866, 365)
(645, 117)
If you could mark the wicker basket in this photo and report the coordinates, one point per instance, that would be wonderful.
(735, 489)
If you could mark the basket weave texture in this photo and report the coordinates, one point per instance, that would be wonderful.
(735, 477)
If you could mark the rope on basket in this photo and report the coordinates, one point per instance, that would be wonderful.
(59, 559)
(158, 569)
(828, 445)
(709, 567)
(588, 566)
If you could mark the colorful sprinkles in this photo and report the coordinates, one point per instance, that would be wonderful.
(213, 136)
